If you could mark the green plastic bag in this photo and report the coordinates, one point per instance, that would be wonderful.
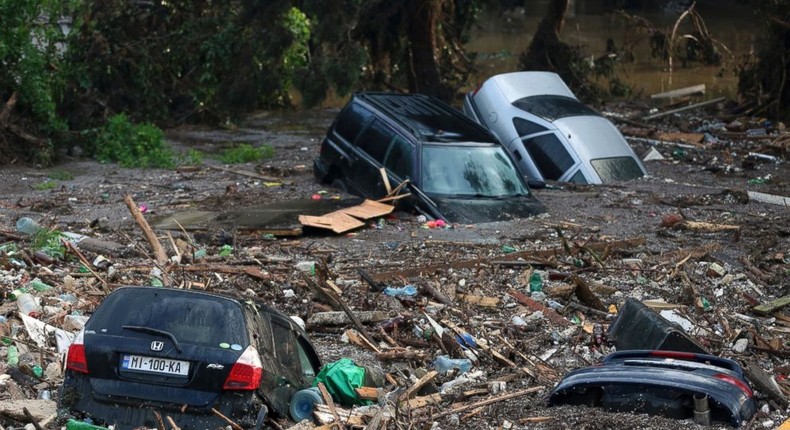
(341, 378)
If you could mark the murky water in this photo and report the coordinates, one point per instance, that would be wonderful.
(503, 35)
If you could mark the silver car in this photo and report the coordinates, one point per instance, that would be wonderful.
(549, 132)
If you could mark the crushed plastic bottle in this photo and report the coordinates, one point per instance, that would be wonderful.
(27, 225)
(407, 290)
(28, 306)
(444, 364)
(73, 424)
(13, 356)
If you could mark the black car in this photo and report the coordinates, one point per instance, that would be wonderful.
(185, 354)
(456, 169)
(668, 383)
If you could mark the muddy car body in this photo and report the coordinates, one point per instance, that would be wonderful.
(661, 383)
(183, 353)
(455, 168)
(550, 134)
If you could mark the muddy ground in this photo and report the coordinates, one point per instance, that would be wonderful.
(666, 235)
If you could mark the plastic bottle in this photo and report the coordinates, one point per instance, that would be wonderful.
(28, 306)
(408, 290)
(302, 403)
(535, 282)
(27, 225)
(443, 364)
(73, 424)
(39, 285)
(13, 356)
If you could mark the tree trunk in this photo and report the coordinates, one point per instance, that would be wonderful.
(422, 20)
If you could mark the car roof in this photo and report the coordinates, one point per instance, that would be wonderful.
(427, 118)
(518, 85)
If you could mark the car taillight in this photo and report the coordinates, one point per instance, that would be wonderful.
(735, 381)
(246, 372)
(75, 359)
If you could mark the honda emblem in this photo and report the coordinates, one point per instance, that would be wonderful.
(157, 345)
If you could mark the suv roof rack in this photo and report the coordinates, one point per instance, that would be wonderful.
(429, 119)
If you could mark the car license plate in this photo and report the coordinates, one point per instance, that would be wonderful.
(155, 365)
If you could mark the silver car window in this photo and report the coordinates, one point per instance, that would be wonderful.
(549, 155)
(616, 169)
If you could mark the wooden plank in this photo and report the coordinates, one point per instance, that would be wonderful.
(337, 221)
(685, 108)
(423, 401)
(386, 180)
(680, 92)
(482, 301)
(772, 306)
(369, 209)
(769, 198)
(367, 393)
(692, 138)
(419, 384)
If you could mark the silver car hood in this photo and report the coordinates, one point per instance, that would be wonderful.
(594, 137)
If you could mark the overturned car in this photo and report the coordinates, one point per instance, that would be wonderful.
(670, 383)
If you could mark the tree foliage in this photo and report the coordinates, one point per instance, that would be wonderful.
(763, 81)
(31, 45)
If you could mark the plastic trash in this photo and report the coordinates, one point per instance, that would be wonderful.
(341, 379)
(518, 321)
(68, 298)
(13, 356)
(39, 285)
(27, 305)
(73, 424)
(13, 295)
(466, 340)
(303, 402)
(306, 266)
(27, 225)
(408, 290)
(444, 364)
(535, 282)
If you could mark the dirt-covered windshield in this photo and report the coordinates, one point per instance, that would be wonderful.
(470, 171)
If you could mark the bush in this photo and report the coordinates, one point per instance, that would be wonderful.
(132, 145)
(246, 153)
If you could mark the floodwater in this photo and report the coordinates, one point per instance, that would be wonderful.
(502, 35)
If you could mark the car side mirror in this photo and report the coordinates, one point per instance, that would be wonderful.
(536, 184)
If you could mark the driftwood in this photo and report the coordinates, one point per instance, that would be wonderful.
(428, 377)
(226, 419)
(549, 313)
(585, 294)
(159, 251)
(401, 354)
(336, 302)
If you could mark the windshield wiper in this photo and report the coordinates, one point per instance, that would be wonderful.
(143, 329)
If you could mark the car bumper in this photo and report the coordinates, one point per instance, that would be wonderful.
(126, 413)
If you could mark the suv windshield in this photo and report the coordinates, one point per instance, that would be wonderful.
(616, 169)
(552, 108)
(474, 171)
(198, 319)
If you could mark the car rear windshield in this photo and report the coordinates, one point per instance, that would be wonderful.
(616, 169)
(472, 171)
(551, 107)
(193, 318)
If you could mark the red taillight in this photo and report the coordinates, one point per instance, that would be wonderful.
(246, 372)
(75, 359)
(674, 354)
(735, 381)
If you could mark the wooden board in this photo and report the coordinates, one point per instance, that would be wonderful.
(347, 219)
(683, 137)
(369, 209)
(338, 221)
